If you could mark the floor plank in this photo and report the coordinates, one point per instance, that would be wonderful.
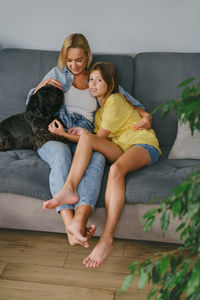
(20, 290)
(2, 265)
(141, 250)
(113, 264)
(137, 295)
(64, 276)
(41, 265)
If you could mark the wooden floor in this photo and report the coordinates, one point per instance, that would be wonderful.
(43, 266)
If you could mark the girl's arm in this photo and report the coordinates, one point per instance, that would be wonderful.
(103, 133)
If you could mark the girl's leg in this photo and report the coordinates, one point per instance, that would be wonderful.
(86, 145)
(133, 159)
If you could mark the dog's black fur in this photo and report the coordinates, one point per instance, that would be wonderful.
(29, 130)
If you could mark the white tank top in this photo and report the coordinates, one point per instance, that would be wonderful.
(81, 102)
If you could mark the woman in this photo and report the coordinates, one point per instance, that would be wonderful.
(126, 148)
(71, 75)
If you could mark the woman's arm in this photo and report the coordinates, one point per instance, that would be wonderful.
(57, 128)
(146, 121)
(50, 78)
(130, 98)
(103, 133)
(51, 81)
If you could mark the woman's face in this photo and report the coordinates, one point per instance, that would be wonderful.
(76, 60)
(97, 85)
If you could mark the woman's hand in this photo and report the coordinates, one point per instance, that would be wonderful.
(145, 122)
(77, 130)
(57, 128)
(51, 81)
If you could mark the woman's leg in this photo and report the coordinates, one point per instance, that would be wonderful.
(88, 192)
(58, 156)
(86, 145)
(133, 159)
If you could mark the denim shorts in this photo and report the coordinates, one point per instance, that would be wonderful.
(153, 152)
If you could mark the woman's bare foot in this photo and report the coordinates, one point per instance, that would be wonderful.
(99, 253)
(66, 195)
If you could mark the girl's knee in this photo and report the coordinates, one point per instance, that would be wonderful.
(86, 137)
(116, 171)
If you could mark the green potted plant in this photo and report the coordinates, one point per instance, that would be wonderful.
(176, 274)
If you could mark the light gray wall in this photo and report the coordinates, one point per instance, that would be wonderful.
(119, 26)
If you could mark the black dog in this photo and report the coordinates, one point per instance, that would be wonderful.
(29, 130)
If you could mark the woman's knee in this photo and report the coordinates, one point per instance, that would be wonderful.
(54, 151)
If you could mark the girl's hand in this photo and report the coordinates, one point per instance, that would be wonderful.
(56, 127)
(51, 81)
(77, 130)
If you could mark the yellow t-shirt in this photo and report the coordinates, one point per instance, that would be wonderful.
(118, 116)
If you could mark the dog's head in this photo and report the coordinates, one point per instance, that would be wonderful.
(45, 102)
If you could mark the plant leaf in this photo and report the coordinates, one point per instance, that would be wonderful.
(182, 84)
(127, 282)
(164, 263)
(165, 218)
(143, 278)
(148, 224)
(153, 291)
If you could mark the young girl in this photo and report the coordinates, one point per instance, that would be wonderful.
(125, 147)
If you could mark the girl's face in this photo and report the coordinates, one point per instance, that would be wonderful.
(76, 60)
(97, 85)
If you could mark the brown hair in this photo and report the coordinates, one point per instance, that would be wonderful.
(75, 40)
(109, 75)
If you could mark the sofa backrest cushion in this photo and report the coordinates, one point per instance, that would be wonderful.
(23, 69)
(156, 78)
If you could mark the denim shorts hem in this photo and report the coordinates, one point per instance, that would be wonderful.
(152, 151)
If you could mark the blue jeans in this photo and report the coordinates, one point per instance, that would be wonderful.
(59, 157)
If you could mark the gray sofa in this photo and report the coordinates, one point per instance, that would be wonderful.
(152, 78)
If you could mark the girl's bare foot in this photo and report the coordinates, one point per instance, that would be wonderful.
(90, 231)
(78, 232)
(99, 253)
(74, 241)
(66, 195)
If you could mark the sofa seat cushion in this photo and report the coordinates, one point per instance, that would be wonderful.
(22, 172)
(154, 181)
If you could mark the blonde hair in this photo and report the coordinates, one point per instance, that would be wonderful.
(75, 40)
(109, 75)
